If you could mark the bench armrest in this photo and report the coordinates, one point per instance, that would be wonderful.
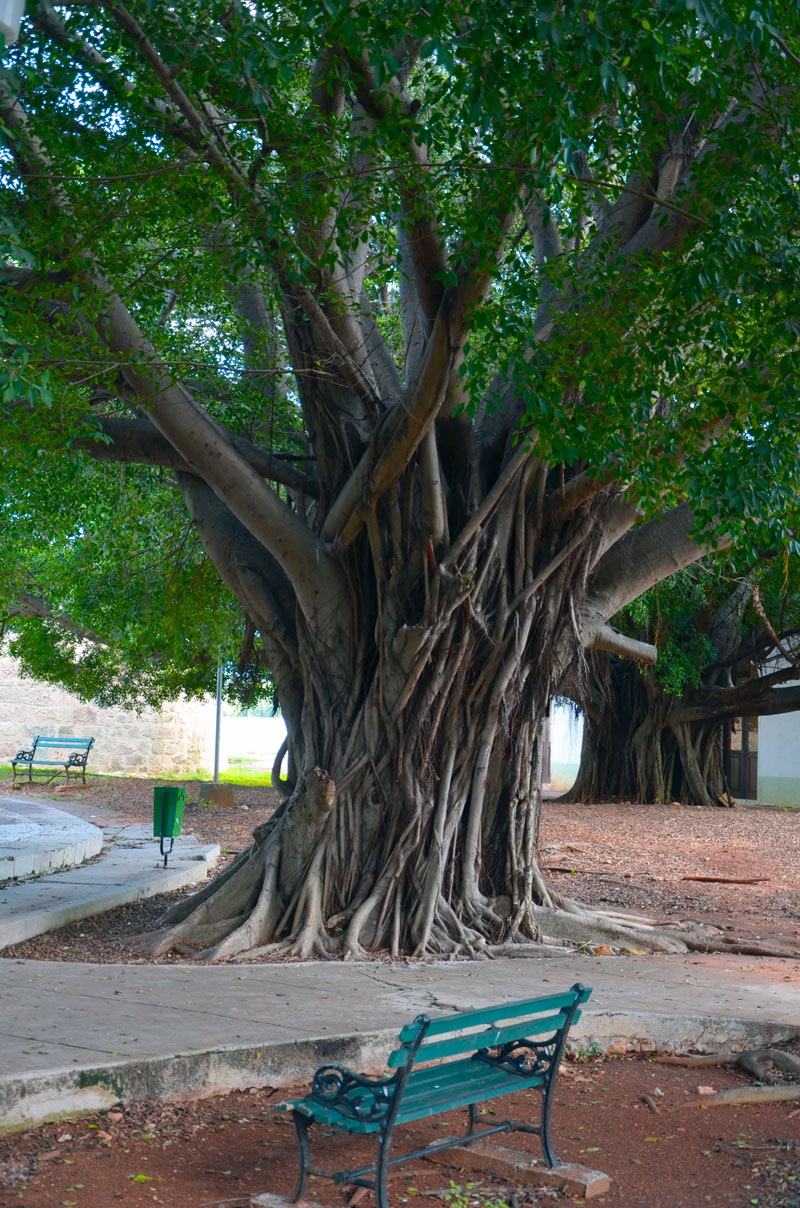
(352, 1094)
(78, 759)
(24, 756)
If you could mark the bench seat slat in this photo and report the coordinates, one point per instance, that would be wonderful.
(329, 1115)
(483, 1015)
(459, 1084)
(60, 763)
(486, 1039)
(487, 1084)
(446, 1079)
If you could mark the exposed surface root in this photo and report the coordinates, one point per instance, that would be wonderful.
(746, 1094)
(588, 927)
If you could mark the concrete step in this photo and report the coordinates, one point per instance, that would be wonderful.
(36, 838)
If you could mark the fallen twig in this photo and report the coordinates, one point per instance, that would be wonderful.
(651, 1103)
(776, 1147)
(726, 880)
(748, 1094)
(699, 1059)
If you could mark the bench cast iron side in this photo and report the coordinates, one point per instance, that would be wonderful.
(519, 1045)
(78, 749)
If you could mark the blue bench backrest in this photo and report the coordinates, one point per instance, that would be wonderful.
(487, 1027)
(50, 743)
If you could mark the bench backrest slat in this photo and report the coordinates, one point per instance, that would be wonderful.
(41, 741)
(446, 1037)
(457, 1022)
(462, 1020)
(455, 1046)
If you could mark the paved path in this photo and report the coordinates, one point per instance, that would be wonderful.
(37, 837)
(84, 1036)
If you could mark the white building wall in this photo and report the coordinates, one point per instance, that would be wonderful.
(779, 758)
(779, 745)
(177, 739)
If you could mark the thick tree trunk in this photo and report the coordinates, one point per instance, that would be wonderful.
(412, 826)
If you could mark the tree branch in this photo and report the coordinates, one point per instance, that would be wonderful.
(405, 426)
(27, 605)
(639, 560)
(606, 638)
(138, 441)
(171, 407)
(388, 103)
(750, 700)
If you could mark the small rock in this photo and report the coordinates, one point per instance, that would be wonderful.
(114, 1117)
(64, 1137)
(705, 1090)
(102, 1135)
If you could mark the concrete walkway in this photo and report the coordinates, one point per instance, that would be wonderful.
(36, 837)
(82, 1037)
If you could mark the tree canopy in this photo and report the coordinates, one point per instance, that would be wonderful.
(452, 330)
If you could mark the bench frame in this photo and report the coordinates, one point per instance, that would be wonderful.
(78, 748)
(373, 1105)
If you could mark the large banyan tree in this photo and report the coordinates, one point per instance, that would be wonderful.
(455, 327)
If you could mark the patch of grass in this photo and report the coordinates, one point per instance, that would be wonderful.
(248, 779)
(256, 779)
(253, 779)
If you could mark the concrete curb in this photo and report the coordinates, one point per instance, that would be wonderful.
(27, 1100)
(44, 839)
(191, 867)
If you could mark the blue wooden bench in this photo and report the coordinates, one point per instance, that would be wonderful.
(73, 757)
(455, 1061)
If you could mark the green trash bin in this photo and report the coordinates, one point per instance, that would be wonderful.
(168, 816)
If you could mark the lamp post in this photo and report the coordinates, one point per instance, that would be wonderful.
(10, 17)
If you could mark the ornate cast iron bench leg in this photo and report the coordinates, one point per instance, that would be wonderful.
(301, 1124)
(382, 1167)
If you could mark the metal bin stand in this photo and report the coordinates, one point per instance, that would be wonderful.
(168, 816)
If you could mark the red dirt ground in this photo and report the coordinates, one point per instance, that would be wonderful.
(217, 1152)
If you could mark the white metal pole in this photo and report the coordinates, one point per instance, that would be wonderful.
(219, 724)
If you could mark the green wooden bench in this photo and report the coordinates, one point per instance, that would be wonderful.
(455, 1061)
(73, 757)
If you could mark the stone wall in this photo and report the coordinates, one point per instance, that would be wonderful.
(176, 739)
